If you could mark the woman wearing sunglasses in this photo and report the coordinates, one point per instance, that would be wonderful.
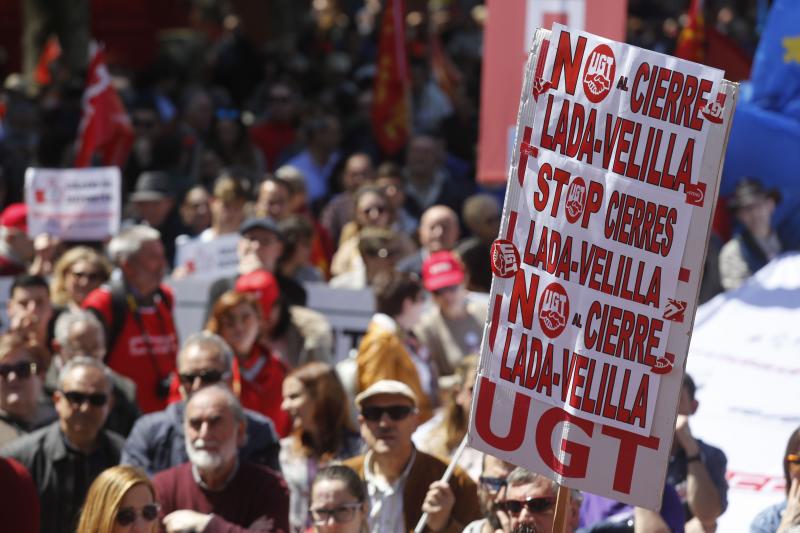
(784, 516)
(121, 500)
(338, 501)
(321, 431)
(77, 273)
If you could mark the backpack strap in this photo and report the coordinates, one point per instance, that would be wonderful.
(119, 310)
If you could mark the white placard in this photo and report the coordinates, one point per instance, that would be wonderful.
(209, 259)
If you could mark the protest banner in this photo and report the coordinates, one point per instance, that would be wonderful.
(208, 259)
(73, 204)
(605, 224)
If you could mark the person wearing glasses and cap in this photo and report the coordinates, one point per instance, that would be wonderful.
(64, 457)
(403, 482)
(156, 440)
(530, 503)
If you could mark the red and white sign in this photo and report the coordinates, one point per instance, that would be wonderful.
(207, 259)
(582, 360)
(74, 204)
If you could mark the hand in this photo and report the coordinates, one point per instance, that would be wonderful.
(791, 516)
(262, 523)
(683, 434)
(25, 323)
(438, 504)
(185, 521)
(249, 263)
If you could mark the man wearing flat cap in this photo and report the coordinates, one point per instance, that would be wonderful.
(756, 243)
(153, 200)
(403, 482)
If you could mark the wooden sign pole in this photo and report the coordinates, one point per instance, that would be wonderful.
(560, 519)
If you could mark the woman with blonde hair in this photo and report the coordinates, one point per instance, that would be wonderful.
(77, 273)
(322, 432)
(121, 500)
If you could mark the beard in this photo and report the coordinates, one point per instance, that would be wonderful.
(524, 528)
(210, 460)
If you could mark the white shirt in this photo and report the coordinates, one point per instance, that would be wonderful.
(386, 499)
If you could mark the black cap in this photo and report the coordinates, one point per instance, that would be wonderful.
(154, 185)
(262, 223)
(749, 191)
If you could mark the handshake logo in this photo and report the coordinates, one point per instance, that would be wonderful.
(599, 73)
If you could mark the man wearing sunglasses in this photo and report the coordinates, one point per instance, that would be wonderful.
(156, 441)
(403, 482)
(530, 503)
(65, 457)
(492, 487)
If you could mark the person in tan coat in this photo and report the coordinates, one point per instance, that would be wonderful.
(403, 482)
(389, 349)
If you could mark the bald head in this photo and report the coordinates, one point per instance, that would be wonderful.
(438, 228)
(481, 214)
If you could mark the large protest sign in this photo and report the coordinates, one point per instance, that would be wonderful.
(610, 193)
(73, 204)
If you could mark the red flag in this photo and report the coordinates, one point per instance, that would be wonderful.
(391, 106)
(691, 41)
(105, 125)
(447, 76)
(51, 52)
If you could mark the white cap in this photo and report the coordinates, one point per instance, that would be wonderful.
(386, 386)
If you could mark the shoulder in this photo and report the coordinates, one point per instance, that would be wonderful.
(262, 475)
(147, 426)
(768, 520)
(99, 298)
(356, 463)
(712, 453)
(171, 476)
(259, 426)
(731, 248)
(24, 448)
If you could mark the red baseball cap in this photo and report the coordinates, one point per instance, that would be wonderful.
(15, 216)
(262, 284)
(442, 269)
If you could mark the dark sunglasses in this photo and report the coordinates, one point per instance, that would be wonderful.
(22, 370)
(127, 515)
(395, 412)
(493, 483)
(208, 377)
(98, 399)
(91, 276)
(341, 515)
(533, 505)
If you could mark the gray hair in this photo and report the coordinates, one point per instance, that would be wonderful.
(130, 241)
(211, 341)
(230, 398)
(68, 319)
(82, 361)
(523, 476)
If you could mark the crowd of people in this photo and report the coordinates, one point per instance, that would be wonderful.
(111, 422)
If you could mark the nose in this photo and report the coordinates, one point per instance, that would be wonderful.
(197, 384)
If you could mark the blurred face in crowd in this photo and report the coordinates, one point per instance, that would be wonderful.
(200, 365)
(30, 310)
(492, 484)
(213, 435)
(334, 509)
(273, 200)
(686, 404)
(239, 328)
(228, 132)
(451, 299)
(438, 229)
(423, 158)
(83, 403)
(757, 217)
(540, 519)
(20, 384)
(384, 435)
(154, 212)
(199, 111)
(357, 172)
(262, 243)
(19, 242)
(84, 338)
(196, 209)
(135, 500)
(482, 217)
(82, 278)
(393, 190)
(145, 123)
(297, 403)
(145, 269)
(372, 210)
(326, 138)
(227, 214)
(281, 106)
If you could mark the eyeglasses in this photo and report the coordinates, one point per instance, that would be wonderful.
(97, 399)
(127, 515)
(22, 370)
(208, 377)
(793, 458)
(341, 514)
(395, 412)
(533, 505)
(494, 484)
(90, 276)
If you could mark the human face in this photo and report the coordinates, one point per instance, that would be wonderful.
(82, 278)
(757, 217)
(273, 200)
(264, 244)
(81, 422)
(372, 210)
(239, 327)
(423, 158)
(539, 521)
(146, 268)
(357, 172)
(412, 311)
(686, 405)
(450, 299)
(154, 212)
(84, 339)
(200, 360)
(30, 307)
(330, 495)
(229, 214)
(386, 436)
(438, 229)
(213, 435)
(136, 499)
(297, 403)
(491, 487)
(196, 209)
(393, 191)
(19, 395)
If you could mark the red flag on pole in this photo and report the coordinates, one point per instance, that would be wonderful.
(446, 74)
(51, 52)
(105, 125)
(692, 39)
(391, 105)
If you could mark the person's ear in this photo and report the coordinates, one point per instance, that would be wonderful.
(695, 405)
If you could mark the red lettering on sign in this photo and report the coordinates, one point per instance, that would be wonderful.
(578, 453)
(483, 417)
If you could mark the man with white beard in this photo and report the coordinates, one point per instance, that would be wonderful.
(214, 491)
